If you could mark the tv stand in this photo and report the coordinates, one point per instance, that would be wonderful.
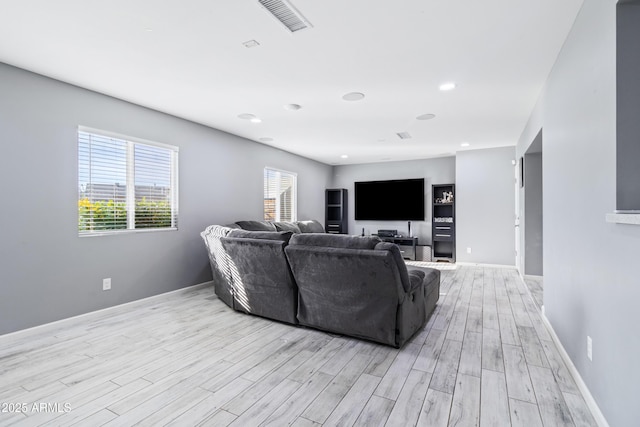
(407, 245)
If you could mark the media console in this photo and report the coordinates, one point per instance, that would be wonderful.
(407, 245)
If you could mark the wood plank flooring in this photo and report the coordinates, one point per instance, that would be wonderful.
(185, 359)
(535, 286)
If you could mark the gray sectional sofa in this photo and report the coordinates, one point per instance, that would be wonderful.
(294, 273)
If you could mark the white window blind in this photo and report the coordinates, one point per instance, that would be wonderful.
(125, 184)
(280, 195)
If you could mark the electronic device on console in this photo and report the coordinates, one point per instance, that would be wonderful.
(387, 233)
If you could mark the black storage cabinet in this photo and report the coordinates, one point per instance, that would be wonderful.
(336, 211)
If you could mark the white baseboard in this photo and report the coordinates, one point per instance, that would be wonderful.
(479, 264)
(586, 394)
(62, 322)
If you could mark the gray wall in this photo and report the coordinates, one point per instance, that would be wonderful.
(435, 171)
(46, 271)
(485, 206)
(590, 266)
(532, 220)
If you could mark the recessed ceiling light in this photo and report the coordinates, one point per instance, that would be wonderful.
(148, 30)
(353, 96)
(427, 116)
(251, 43)
(344, 156)
(251, 117)
(465, 144)
(447, 86)
(265, 139)
(292, 107)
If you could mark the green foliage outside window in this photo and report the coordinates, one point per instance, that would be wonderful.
(153, 214)
(102, 215)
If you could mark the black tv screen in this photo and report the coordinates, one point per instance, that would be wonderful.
(396, 200)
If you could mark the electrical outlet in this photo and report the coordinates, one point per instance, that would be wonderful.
(106, 284)
(589, 348)
(468, 250)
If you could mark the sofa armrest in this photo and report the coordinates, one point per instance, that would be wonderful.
(411, 312)
(416, 277)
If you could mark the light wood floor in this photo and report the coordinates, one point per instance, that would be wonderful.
(185, 359)
(535, 284)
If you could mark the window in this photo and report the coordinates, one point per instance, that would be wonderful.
(125, 184)
(280, 199)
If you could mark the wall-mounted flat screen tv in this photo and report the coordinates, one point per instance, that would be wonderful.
(395, 200)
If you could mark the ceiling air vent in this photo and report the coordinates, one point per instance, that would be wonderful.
(404, 135)
(284, 12)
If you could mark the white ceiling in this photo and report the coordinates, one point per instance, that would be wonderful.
(187, 58)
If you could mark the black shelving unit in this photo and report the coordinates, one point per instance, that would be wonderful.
(443, 230)
(336, 211)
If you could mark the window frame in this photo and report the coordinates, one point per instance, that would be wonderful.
(294, 207)
(130, 182)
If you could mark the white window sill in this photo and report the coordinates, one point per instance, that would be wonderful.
(126, 231)
(623, 218)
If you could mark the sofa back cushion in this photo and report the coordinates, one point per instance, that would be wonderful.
(287, 226)
(256, 225)
(334, 241)
(282, 236)
(263, 283)
(310, 226)
(345, 290)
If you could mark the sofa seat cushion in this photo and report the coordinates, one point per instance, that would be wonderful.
(310, 226)
(341, 241)
(256, 225)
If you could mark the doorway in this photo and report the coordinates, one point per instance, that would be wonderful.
(532, 219)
